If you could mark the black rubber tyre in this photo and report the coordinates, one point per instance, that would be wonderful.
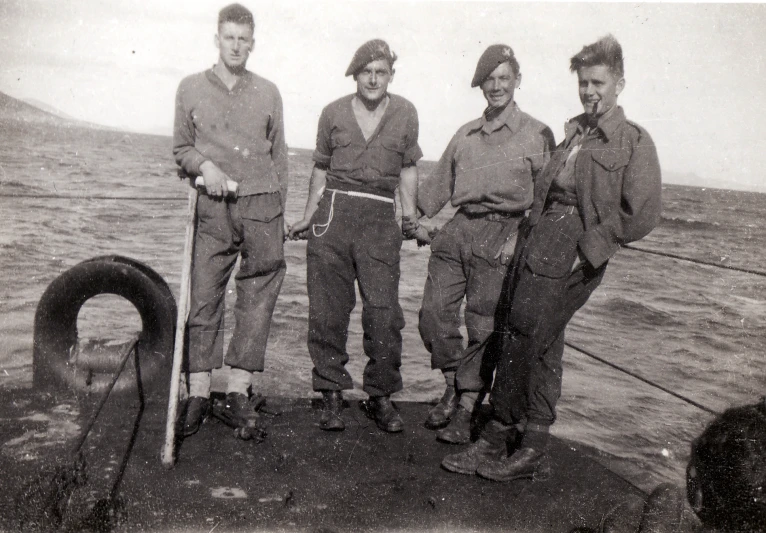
(55, 329)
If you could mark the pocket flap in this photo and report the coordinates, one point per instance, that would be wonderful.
(341, 139)
(261, 207)
(611, 159)
(392, 143)
(552, 248)
(385, 254)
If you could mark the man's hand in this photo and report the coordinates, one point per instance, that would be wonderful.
(505, 253)
(422, 235)
(299, 230)
(215, 180)
(285, 228)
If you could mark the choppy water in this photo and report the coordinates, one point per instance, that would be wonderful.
(694, 329)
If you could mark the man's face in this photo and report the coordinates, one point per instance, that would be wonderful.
(372, 81)
(234, 42)
(499, 86)
(598, 89)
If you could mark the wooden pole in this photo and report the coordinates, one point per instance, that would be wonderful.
(169, 449)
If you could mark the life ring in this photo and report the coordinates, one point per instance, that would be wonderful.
(54, 363)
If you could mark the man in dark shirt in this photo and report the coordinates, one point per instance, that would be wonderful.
(600, 190)
(229, 130)
(367, 145)
(488, 172)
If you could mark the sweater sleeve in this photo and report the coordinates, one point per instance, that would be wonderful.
(276, 135)
(186, 154)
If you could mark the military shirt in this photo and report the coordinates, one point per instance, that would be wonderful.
(375, 163)
(489, 165)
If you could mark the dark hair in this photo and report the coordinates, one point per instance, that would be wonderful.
(606, 51)
(236, 13)
(727, 470)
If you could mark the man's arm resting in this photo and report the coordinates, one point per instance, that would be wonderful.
(316, 187)
(639, 211)
(408, 197)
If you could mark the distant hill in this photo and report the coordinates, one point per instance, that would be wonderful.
(17, 110)
(47, 108)
(691, 179)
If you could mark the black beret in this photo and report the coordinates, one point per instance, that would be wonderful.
(368, 52)
(489, 60)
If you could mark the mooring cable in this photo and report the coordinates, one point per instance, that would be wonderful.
(73, 197)
(691, 260)
(641, 378)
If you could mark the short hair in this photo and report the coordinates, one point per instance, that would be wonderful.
(729, 459)
(606, 51)
(236, 13)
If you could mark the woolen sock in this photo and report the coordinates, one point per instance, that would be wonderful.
(199, 384)
(468, 400)
(239, 380)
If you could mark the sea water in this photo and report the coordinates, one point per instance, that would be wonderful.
(70, 194)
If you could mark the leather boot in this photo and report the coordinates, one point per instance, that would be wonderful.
(467, 461)
(440, 414)
(197, 410)
(333, 406)
(526, 463)
(459, 429)
(386, 417)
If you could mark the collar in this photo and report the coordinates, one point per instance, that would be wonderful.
(511, 117)
(607, 124)
(244, 79)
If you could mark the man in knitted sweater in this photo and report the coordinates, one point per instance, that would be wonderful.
(229, 129)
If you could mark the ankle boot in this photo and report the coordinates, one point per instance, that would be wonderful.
(526, 463)
(441, 413)
(333, 406)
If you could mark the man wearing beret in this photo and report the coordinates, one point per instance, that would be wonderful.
(487, 172)
(367, 146)
(229, 128)
(600, 190)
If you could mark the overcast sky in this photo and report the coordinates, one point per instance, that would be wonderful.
(695, 72)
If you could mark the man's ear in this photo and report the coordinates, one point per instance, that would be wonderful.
(619, 86)
(518, 80)
(393, 71)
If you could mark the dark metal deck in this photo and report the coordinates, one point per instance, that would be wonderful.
(299, 479)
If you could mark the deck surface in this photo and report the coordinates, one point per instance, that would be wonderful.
(298, 479)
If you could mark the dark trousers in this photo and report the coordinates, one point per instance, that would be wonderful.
(544, 297)
(463, 264)
(250, 227)
(362, 243)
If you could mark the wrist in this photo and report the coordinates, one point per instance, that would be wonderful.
(410, 226)
(206, 165)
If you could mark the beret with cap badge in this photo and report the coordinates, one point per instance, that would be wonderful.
(368, 52)
(489, 60)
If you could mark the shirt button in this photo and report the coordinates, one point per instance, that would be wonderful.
(611, 166)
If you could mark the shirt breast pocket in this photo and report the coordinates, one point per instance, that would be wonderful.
(342, 156)
(390, 156)
(609, 168)
(611, 159)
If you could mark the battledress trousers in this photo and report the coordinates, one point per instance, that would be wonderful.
(250, 226)
(354, 238)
